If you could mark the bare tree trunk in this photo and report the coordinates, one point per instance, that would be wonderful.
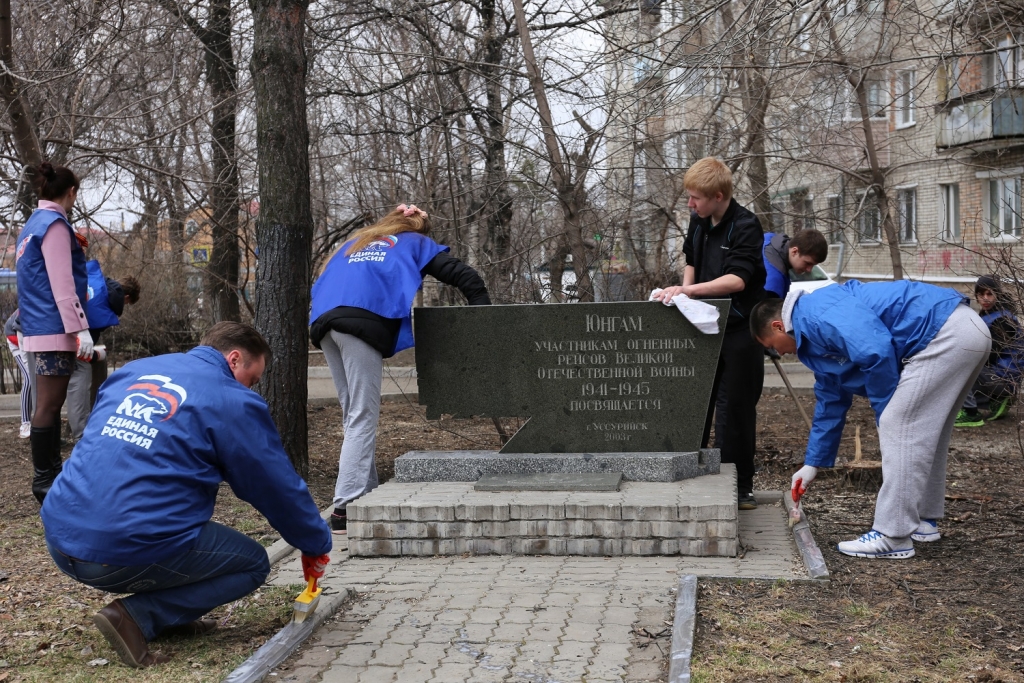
(857, 79)
(222, 273)
(284, 228)
(221, 76)
(497, 204)
(562, 174)
(23, 128)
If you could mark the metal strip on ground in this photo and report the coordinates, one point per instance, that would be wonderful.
(279, 648)
(682, 630)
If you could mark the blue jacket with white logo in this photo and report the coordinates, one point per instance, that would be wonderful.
(98, 310)
(855, 337)
(383, 278)
(165, 432)
(39, 313)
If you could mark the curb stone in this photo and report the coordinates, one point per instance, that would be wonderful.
(682, 630)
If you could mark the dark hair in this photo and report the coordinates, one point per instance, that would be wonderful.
(811, 243)
(131, 288)
(993, 284)
(53, 182)
(763, 314)
(229, 336)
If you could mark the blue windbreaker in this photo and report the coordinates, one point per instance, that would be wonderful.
(383, 278)
(97, 309)
(855, 337)
(165, 432)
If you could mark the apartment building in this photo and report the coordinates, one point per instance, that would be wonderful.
(933, 135)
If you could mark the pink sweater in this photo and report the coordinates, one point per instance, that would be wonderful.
(57, 257)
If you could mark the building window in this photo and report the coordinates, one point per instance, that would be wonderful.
(950, 198)
(906, 213)
(950, 73)
(905, 81)
(869, 220)
(1004, 207)
(803, 212)
(778, 217)
(835, 219)
(1004, 68)
(875, 91)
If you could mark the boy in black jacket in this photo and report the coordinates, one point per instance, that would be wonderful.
(723, 251)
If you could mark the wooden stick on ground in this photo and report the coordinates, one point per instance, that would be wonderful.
(785, 378)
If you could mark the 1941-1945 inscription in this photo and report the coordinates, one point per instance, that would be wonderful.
(598, 378)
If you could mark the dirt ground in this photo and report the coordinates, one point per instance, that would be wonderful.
(952, 613)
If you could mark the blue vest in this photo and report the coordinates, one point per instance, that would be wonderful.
(383, 278)
(776, 269)
(97, 309)
(1010, 361)
(39, 314)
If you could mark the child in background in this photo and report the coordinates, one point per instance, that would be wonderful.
(996, 386)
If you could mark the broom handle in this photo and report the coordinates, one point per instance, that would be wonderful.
(785, 378)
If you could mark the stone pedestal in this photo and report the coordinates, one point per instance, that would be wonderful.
(420, 466)
(696, 516)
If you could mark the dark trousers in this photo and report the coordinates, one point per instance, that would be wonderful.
(739, 379)
(223, 566)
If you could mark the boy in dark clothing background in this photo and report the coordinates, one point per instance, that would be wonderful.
(724, 258)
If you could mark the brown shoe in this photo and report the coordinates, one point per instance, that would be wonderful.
(125, 636)
(199, 627)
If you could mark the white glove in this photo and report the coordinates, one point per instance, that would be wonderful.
(803, 477)
(85, 345)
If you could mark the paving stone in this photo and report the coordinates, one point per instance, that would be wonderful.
(533, 651)
(390, 653)
(339, 673)
(510, 632)
(414, 672)
(377, 674)
(355, 655)
(452, 673)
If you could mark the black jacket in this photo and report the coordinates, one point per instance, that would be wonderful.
(733, 247)
(381, 333)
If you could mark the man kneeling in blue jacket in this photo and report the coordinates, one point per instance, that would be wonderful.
(913, 350)
(130, 513)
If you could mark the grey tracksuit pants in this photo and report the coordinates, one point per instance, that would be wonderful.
(78, 403)
(356, 368)
(916, 425)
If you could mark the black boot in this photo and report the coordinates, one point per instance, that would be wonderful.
(46, 460)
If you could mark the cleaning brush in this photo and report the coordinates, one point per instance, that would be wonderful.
(305, 604)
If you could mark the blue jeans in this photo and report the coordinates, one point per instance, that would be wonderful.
(223, 565)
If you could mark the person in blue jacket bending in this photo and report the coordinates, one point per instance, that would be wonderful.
(785, 256)
(130, 513)
(361, 314)
(913, 350)
(999, 381)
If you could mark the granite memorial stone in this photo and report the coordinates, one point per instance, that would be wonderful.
(629, 377)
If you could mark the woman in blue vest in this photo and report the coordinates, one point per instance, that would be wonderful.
(1000, 379)
(52, 285)
(361, 314)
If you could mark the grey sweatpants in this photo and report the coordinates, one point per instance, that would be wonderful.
(78, 403)
(916, 425)
(356, 368)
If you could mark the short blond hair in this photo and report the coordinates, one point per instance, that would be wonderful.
(709, 176)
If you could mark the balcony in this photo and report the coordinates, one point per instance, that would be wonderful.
(991, 121)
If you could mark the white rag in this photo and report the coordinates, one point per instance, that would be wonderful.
(703, 316)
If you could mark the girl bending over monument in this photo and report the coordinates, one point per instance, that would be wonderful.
(361, 314)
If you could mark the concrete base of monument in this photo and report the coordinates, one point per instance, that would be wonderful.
(423, 466)
(696, 517)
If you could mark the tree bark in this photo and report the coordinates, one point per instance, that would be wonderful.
(222, 273)
(221, 77)
(284, 227)
(566, 187)
(23, 128)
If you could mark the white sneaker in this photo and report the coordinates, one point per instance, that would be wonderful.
(927, 531)
(26, 430)
(874, 544)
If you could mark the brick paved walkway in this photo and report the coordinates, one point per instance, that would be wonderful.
(513, 618)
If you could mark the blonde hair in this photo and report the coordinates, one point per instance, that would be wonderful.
(709, 176)
(393, 223)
